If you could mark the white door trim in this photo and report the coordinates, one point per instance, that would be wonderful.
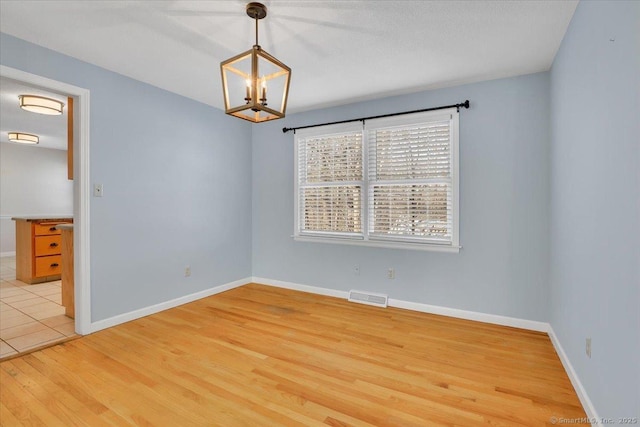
(81, 189)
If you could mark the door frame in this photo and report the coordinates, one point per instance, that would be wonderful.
(81, 188)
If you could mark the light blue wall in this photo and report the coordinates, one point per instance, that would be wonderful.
(595, 202)
(177, 186)
(550, 205)
(504, 189)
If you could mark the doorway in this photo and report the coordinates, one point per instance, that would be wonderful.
(80, 210)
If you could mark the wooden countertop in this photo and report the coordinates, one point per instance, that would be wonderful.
(43, 218)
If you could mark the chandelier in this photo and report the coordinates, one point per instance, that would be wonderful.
(255, 84)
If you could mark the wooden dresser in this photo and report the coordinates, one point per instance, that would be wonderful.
(38, 248)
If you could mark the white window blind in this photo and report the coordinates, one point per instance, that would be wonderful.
(330, 182)
(393, 183)
(410, 181)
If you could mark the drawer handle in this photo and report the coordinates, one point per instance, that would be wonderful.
(53, 245)
(55, 264)
(52, 229)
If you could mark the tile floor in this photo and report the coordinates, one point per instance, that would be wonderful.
(30, 315)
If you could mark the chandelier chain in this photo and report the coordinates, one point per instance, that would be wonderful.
(256, 18)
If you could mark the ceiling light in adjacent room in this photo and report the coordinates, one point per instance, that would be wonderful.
(23, 138)
(252, 77)
(41, 105)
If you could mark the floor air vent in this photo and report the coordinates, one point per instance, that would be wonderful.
(379, 300)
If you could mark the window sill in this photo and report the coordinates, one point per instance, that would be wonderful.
(381, 244)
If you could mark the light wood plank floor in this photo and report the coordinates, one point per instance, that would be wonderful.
(263, 356)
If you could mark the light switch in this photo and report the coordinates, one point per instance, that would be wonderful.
(97, 190)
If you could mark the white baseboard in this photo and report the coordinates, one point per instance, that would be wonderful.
(6, 254)
(146, 311)
(495, 319)
(415, 306)
(575, 381)
(298, 287)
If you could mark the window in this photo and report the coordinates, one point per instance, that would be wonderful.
(392, 182)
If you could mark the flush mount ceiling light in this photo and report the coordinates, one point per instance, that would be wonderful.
(249, 77)
(23, 138)
(41, 105)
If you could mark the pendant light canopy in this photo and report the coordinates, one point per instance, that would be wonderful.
(41, 105)
(254, 83)
(23, 138)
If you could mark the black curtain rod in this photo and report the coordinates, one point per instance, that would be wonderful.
(465, 104)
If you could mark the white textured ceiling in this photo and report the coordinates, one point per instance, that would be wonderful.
(52, 130)
(339, 51)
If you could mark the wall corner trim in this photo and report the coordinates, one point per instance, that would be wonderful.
(575, 381)
(152, 309)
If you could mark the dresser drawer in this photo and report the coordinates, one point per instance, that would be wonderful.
(48, 265)
(48, 245)
(45, 229)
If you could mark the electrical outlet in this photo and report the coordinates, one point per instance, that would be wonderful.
(356, 269)
(588, 347)
(391, 273)
(187, 271)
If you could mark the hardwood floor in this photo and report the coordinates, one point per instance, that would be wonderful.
(263, 356)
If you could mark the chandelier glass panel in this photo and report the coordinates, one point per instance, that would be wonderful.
(254, 83)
